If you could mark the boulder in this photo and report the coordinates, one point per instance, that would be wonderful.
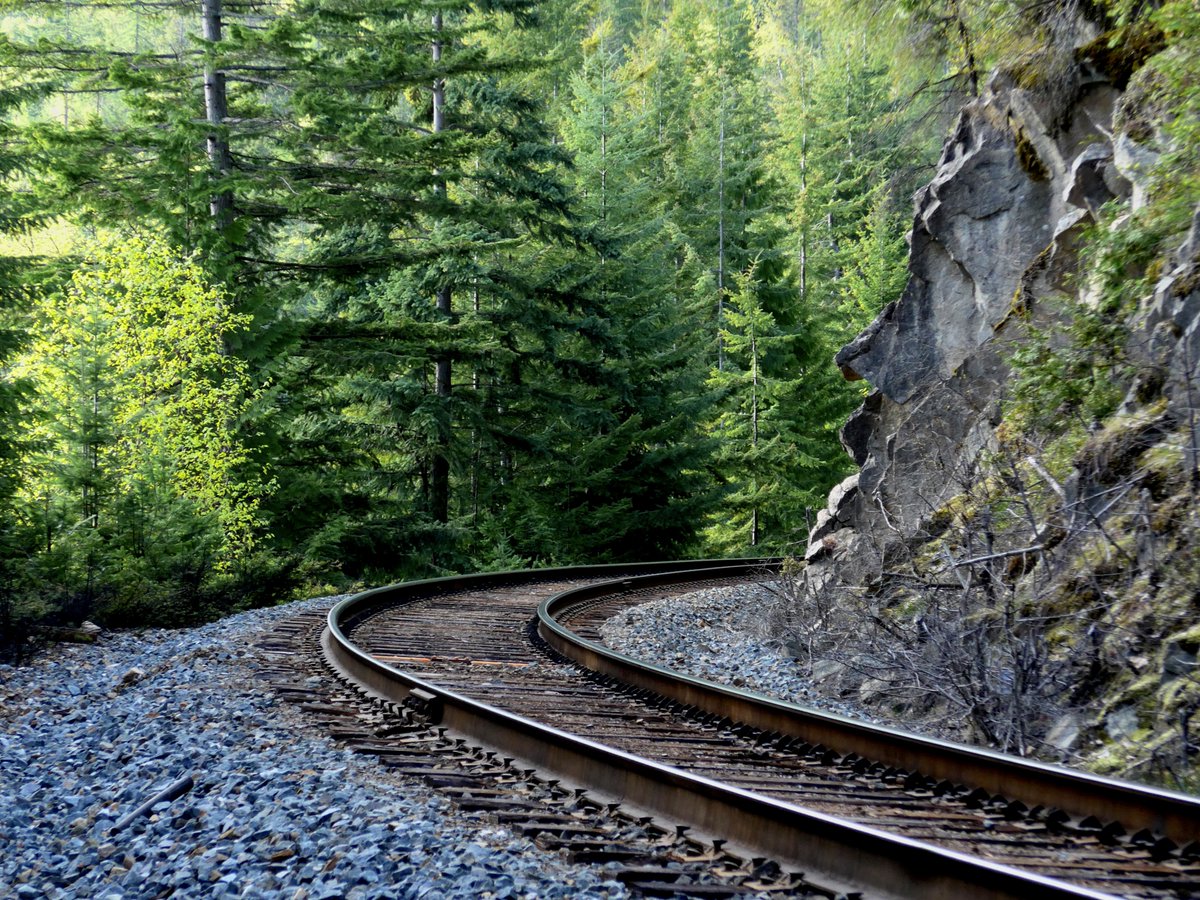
(83, 633)
(1064, 734)
(1121, 723)
(1090, 184)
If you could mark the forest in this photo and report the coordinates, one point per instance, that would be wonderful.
(298, 296)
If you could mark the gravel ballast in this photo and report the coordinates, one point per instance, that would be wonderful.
(89, 732)
(719, 634)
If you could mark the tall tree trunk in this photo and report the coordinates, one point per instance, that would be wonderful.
(216, 109)
(721, 235)
(721, 194)
(440, 474)
(754, 434)
(968, 48)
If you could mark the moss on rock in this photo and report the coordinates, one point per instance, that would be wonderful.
(1119, 53)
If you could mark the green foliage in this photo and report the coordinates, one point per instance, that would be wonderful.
(1174, 76)
(1078, 369)
(878, 268)
(518, 336)
(139, 474)
(637, 486)
(142, 396)
(763, 454)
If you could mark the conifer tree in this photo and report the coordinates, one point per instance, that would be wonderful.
(139, 469)
(638, 487)
(438, 276)
(144, 135)
(773, 464)
(19, 288)
(721, 193)
(844, 153)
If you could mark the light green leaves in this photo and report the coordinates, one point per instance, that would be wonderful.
(139, 396)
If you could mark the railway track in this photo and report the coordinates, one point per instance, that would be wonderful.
(508, 671)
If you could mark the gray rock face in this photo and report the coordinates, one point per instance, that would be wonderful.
(1172, 323)
(978, 226)
(1134, 161)
(1019, 177)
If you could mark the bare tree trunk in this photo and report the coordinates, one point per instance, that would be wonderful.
(803, 261)
(721, 235)
(721, 201)
(216, 109)
(754, 435)
(968, 48)
(440, 474)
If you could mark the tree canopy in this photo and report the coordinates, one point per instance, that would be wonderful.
(348, 291)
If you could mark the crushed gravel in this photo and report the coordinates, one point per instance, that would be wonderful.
(720, 634)
(89, 732)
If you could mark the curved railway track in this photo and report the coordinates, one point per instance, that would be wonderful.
(512, 662)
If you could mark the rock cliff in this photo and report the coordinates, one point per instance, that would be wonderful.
(1044, 584)
(1019, 176)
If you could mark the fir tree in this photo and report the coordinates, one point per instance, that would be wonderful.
(638, 488)
(462, 178)
(774, 466)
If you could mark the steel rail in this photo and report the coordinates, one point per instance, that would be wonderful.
(1079, 794)
(835, 852)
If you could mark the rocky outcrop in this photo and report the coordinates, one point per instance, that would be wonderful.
(1022, 172)
(1032, 581)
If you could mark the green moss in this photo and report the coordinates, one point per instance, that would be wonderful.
(957, 512)
(1114, 451)
(1180, 694)
(908, 606)
(1103, 556)
(1060, 453)
(1188, 639)
(1168, 456)
(1141, 690)
(1030, 71)
(1187, 283)
(1072, 596)
(1121, 52)
(1109, 761)
(1168, 514)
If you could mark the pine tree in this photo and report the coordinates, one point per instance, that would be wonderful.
(462, 187)
(773, 466)
(721, 194)
(143, 133)
(845, 153)
(21, 279)
(637, 487)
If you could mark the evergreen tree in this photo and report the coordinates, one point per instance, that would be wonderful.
(490, 356)
(772, 464)
(139, 466)
(442, 285)
(142, 133)
(638, 487)
(845, 150)
(848, 168)
(20, 607)
(720, 192)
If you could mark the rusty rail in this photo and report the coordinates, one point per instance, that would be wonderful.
(1077, 793)
(842, 854)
